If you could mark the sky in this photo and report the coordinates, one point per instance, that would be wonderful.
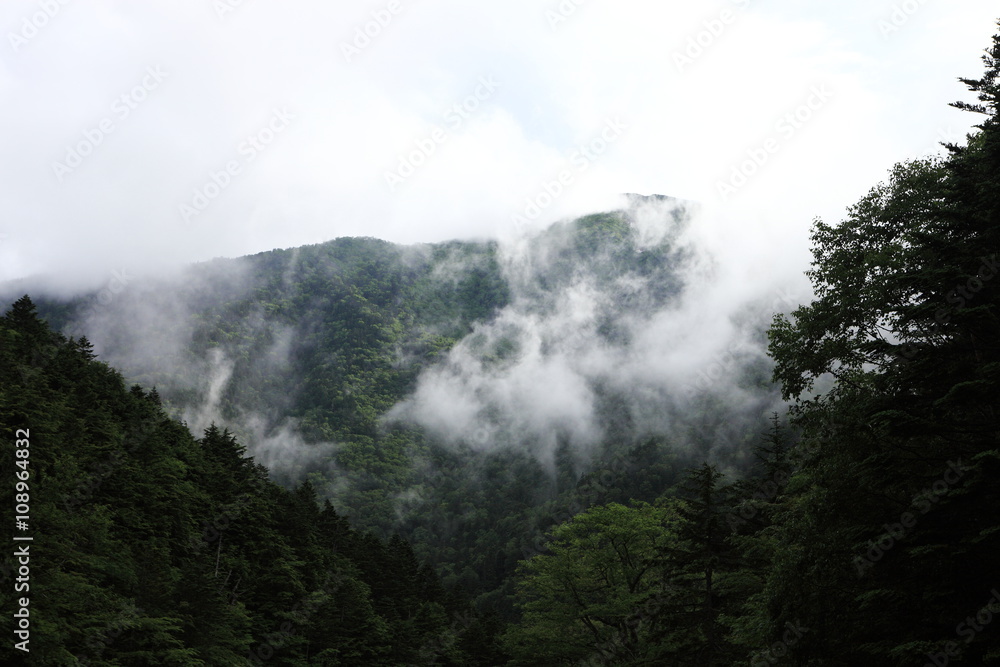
(137, 137)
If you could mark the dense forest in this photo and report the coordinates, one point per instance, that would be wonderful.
(706, 526)
(152, 547)
(319, 360)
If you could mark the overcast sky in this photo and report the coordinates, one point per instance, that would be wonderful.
(139, 135)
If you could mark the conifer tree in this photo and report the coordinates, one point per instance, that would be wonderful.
(889, 521)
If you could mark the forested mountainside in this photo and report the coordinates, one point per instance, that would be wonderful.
(455, 394)
(501, 409)
(151, 547)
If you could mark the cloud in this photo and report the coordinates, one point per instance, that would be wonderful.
(151, 330)
(624, 336)
(222, 73)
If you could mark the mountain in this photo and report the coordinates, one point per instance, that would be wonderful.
(544, 450)
(457, 393)
(138, 544)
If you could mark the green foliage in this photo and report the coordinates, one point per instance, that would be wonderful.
(867, 538)
(906, 323)
(862, 536)
(154, 548)
(580, 600)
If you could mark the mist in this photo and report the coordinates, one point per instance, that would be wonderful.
(629, 327)
(584, 346)
(253, 115)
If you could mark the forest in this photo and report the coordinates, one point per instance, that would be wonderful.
(339, 454)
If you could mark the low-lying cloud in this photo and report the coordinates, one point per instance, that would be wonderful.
(583, 336)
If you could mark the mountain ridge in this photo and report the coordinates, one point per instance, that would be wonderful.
(367, 368)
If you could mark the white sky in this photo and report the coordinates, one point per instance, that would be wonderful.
(224, 71)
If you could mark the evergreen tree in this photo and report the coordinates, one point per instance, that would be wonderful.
(889, 520)
(153, 548)
(700, 563)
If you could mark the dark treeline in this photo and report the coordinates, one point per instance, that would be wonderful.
(153, 548)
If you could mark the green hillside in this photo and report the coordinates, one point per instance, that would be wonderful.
(309, 349)
(537, 452)
(151, 547)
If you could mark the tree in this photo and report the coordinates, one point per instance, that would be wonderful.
(584, 599)
(894, 369)
(153, 548)
(700, 562)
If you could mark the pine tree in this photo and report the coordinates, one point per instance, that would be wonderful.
(700, 563)
(889, 519)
